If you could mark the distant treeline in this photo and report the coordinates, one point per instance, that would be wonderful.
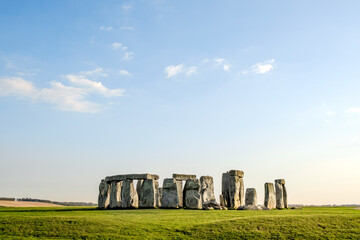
(56, 202)
(6, 199)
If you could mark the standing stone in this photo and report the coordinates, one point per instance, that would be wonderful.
(281, 194)
(233, 188)
(171, 196)
(147, 193)
(207, 193)
(222, 202)
(158, 197)
(138, 188)
(251, 197)
(115, 194)
(129, 197)
(104, 195)
(179, 187)
(192, 195)
(285, 196)
(269, 200)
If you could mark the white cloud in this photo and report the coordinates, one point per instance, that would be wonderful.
(173, 70)
(98, 71)
(117, 45)
(68, 98)
(263, 67)
(125, 73)
(223, 63)
(127, 28)
(128, 56)
(108, 28)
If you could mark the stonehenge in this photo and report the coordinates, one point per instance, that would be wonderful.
(120, 192)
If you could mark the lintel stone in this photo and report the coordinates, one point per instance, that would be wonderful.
(122, 177)
(183, 177)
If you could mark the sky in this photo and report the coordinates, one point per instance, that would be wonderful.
(90, 89)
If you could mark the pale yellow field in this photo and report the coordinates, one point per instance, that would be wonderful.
(26, 204)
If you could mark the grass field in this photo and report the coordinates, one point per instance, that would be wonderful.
(89, 223)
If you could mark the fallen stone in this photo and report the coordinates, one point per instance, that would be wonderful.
(270, 199)
(104, 195)
(250, 207)
(183, 177)
(115, 195)
(250, 197)
(129, 197)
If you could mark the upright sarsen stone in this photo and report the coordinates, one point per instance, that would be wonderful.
(192, 196)
(233, 188)
(104, 195)
(147, 193)
(171, 193)
(207, 193)
(129, 196)
(115, 194)
(281, 194)
(269, 200)
(251, 197)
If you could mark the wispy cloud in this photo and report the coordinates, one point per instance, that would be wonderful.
(262, 67)
(128, 56)
(107, 29)
(118, 45)
(97, 71)
(125, 73)
(68, 98)
(173, 70)
(223, 63)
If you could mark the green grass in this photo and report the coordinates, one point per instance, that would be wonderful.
(89, 223)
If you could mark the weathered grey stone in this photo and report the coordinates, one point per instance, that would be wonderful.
(285, 196)
(158, 197)
(104, 195)
(147, 193)
(236, 173)
(233, 189)
(207, 193)
(250, 197)
(279, 183)
(192, 195)
(183, 177)
(171, 193)
(222, 203)
(269, 200)
(131, 176)
(115, 195)
(139, 189)
(129, 197)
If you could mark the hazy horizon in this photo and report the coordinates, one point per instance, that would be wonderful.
(90, 89)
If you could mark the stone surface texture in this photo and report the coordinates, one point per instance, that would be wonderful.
(250, 197)
(281, 194)
(170, 193)
(270, 199)
(207, 193)
(183, 177)
(104, 195)
(131, 177)
(115, 195)
(147, 193)
(192, 194)
(129, 196)
(233, 189)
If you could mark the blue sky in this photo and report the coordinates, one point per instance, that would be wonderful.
(93, 88)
